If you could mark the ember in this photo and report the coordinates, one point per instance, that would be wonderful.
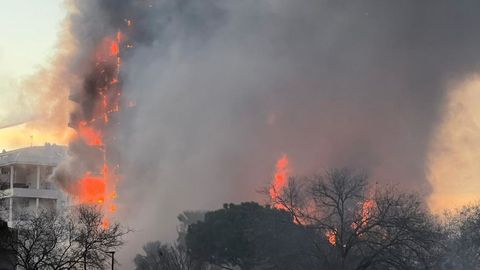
(331, 237)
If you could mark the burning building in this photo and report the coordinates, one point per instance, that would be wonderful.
(24, 184)
(91, 171)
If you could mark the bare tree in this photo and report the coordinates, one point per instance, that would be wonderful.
(292, 199)
(360, 228)
(48, 240)
(160, 256)
(67, 254)
(94, 238)
(35, 238)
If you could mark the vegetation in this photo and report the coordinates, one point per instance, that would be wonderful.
(7, 255)
(355, 230)
(333, 221)
(247, 235)
(160, 256)
(164, 257)
(57, 242)
(330, 221)
(463, 238)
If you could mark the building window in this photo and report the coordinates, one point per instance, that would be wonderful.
(5, 171)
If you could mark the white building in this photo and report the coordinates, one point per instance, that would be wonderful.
(23, 180)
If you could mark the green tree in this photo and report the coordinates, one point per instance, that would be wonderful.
(248, 235)
(186, 219)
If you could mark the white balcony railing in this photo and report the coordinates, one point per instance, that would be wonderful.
(30, 193)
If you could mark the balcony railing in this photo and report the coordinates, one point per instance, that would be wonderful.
(30, 193)
(43, 185)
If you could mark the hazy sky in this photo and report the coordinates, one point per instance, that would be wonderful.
(29, 31)
(285, 94)
(27, 43)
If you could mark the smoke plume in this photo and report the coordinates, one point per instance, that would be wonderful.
(223, 88)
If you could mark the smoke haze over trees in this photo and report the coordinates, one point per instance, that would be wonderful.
(222, 88)
(225, 87)
(335, 223)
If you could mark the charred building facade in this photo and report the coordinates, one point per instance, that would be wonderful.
(24, 184)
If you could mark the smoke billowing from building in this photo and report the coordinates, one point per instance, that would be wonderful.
(223, 88)
(102, 32)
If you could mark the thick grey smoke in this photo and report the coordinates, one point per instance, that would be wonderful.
(221, 95)
(101, 32)
(224, 88)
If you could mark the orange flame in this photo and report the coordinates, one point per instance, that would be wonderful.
(331, 237)
(89, 135)
(114, 48)
(92, 190)
(368, 207)
(279, 180)
(100, 189)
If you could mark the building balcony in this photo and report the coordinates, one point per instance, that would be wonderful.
(29, 193)
(43, 185)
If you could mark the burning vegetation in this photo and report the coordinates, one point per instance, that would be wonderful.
(279, 180)
(343, 226)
